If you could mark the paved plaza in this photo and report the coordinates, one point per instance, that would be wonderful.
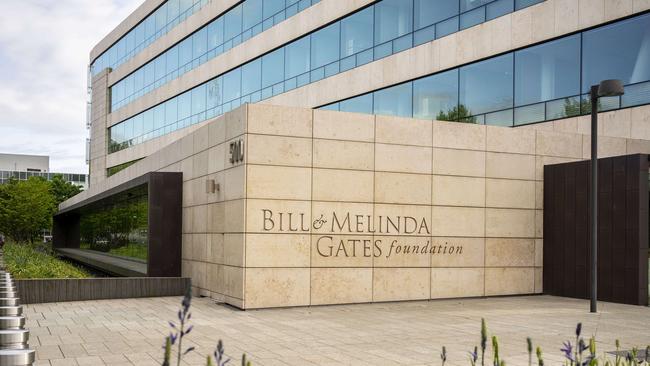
(131, 332)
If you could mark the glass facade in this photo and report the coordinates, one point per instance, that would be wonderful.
(237, 25)
(362, 36)
(154, 26)
(78, 179)
(117, 225)
(539, 83)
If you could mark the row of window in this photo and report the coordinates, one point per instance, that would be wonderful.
(237, 25)
(154, 26)
(375, 32)
(6, 175)
(535, 84)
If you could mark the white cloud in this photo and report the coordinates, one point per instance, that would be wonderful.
(44, 53)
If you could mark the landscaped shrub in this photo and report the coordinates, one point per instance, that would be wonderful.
(36, 260)
(583, 354)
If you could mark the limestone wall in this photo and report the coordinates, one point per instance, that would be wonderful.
(324, 204)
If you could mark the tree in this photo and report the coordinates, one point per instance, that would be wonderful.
(458, 113)
(26, 208)
(62, 190)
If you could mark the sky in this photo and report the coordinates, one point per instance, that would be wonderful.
(44, 55)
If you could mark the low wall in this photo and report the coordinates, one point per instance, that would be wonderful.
(63, 289)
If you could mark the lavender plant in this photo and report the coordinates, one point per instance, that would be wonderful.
(180, 329)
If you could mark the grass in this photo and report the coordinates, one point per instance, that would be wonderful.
(26, 261)
(138, 251)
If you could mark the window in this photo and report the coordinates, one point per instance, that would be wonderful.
(232, 85)
(252, 13)
(173, 7)
(393, 19)
(394, 101)
(251, 77)
(436, 96)
(356, 32)
(548, 71)
(171, 111)
(325, 46)
(271, 7)
(200, 43)
(233, 22)
(273, 68)
(297, 57)
(618, 51)
(172, 60)
(487, 86)
(184, 105)
(429, 12)
(198, 99)
(158, 118)
(185, 52)
(360, 104)
(214, 93)
(466, 5)
(215, 33)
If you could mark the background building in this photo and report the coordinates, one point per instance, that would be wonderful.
(22, 167)
(161, 80)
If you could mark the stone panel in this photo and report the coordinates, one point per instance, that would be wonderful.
(395, 284)
(404, 131)
(458, 221)
(344, 126)
(509, 281)
(341, 285)
(509, 223)
(278, 182)
(343, 185)
(274, 287)
(458, 191)
(344, 154)
(402, 188)
(503, 252)
(459, 162)
(279, 150)
(404, 159)
(456, 282)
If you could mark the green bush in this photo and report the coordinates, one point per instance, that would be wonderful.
(37, 261)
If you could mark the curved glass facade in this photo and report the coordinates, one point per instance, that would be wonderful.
(539, 83)
(353, 41)
(237, 25)
(154, 26)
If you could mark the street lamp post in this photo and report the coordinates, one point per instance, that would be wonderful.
(606, 88)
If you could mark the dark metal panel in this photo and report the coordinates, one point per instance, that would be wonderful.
(58, 290)
(623, 229)
(165, 224)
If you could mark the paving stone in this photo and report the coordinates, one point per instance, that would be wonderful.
(132, 331)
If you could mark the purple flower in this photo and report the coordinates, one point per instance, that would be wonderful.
(568, 351)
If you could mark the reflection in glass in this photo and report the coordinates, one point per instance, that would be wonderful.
(394, 101)
(435, 95)
(393, 18)
(548, 71)
(325, 46)
(356, 32)
(487, 86)
(618, 51)
(117, 225)
(429, 12)
(360, 104)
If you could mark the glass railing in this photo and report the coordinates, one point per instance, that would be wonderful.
(154, 26)
(636, 94)
(203, 45)
(266, 77)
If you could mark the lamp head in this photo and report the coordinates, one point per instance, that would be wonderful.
(610, 88)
